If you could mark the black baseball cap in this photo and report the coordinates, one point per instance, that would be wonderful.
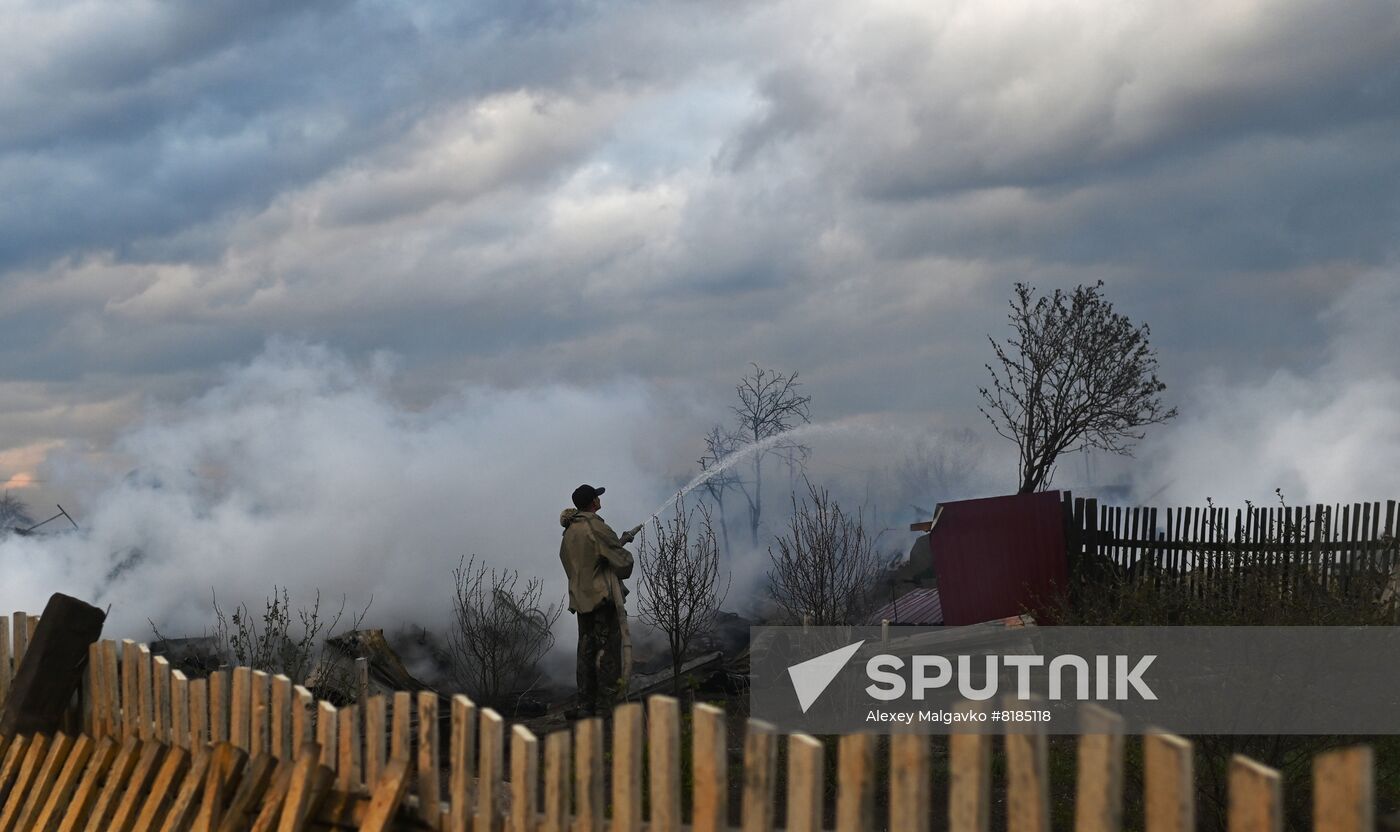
(585, 494)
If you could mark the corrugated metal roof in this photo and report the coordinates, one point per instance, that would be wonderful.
(917, 606)
(999, 556)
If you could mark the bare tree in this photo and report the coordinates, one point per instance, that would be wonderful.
(680, 583)
(14, 514)
(939, 466)
(825, 563)
(1075, 375)
(719, 444)
(499, 633)
(769, 406)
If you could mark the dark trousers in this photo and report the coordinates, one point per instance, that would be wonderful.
(599, 658)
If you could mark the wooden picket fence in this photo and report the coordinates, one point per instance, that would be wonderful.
(241, 750)
(1329, 546)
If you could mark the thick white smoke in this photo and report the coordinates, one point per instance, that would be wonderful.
(1329, 434)
(300, 469)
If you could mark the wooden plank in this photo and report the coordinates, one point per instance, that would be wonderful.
(296, 809)
(112, 787)
(199, 714)
(17, 789)
(388, 793)
(1027, 782)
(556, 785)
(1348, 534)
(37, 795)
(855, 786)
(92, 689)
(806, 785)
(6, 670)
(401, 740)
(13, 762)
(376, 715)
(163, 789)
(243, 807)
(130, 691)
(326, 726)
(303, 711)
(21, 622)
(489, 770)
(280, 725)
(75, 812)
(1136, 535)
(361, 679)
(524, 779)
(970, 781)
(348, 766)
(240, 701)
(910, 783)
(760, 772)
(1256, 797)
(588, 775)
(145, 701)
(276, 798)
(710, 764)
(225, 765)
(1388, 532)
(218, 707)
(1169, 795)
(64, 785)
(180, 709)
(186, 801)
(1098, 803)
(429, 764)
(124, 818)
(259, 714)
(664, 763)
(627, 768)
(160, 698)
(1344, 790)
(461, 765)
(1091, 514)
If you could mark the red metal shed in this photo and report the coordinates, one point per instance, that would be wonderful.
(998, 556)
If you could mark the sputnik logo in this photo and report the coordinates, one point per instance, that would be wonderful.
(813, 676)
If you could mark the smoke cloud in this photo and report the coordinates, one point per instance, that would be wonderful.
(301, 469)
(1328, 434)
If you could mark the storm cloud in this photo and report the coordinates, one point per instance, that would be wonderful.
(527, 194)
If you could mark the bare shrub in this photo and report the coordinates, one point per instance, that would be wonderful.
(499, 631)
(680, 582)
(824, 564)
(285, 641)
(14, 515)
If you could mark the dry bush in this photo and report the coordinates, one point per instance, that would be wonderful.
(824, 564)
(286, 641)
(500, 631)
(680, 581)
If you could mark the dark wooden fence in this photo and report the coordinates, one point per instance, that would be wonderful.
(1335, 547)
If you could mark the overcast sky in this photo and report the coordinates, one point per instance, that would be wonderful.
(524, 193)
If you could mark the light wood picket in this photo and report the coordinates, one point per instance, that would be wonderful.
(166, 753)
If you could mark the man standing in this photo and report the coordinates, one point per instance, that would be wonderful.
(596, 563)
